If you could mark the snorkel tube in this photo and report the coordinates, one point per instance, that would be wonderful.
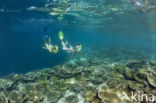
(79, 49)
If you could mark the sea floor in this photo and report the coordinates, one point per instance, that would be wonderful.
(97, 75)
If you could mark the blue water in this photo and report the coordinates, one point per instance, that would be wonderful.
(21, 35)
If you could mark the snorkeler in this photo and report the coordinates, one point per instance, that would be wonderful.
(47, 42)
(48, 45)
(67, 47)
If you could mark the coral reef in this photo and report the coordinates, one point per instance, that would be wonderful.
(108, 95)
(88, 78)
(3, 98)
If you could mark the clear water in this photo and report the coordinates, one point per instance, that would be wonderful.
(128, 23)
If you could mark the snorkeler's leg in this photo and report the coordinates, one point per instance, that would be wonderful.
(45, 45)
(63, 45)
(49, 40)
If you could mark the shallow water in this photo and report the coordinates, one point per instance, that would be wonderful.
(111, 33)
(90, 23)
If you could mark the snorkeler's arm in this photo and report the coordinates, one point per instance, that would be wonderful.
(70, 46)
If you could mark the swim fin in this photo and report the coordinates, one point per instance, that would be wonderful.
(46, 36)
(61, 35)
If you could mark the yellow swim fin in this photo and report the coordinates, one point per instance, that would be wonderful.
(61, 35)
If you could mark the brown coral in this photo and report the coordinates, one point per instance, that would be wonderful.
(152, 79)
(111, 95)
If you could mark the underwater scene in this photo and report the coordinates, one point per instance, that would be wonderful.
(77, 51)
